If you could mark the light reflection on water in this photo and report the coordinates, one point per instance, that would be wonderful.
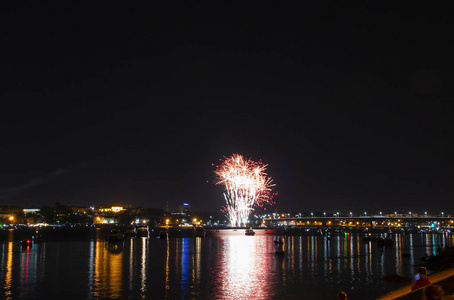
(143, 267)
(9, 270)
(107, 277)
(223, 265)
(244, 272)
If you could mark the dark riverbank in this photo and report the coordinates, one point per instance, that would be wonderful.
(62, 233)
(94, 231)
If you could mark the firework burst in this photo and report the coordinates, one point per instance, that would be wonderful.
(246, 186)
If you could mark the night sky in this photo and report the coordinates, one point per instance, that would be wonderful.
(349, 104)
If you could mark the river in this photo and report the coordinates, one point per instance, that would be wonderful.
(223, 265)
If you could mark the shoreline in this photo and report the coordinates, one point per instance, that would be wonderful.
(444, 278)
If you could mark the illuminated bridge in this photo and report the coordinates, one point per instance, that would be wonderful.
(376, 221)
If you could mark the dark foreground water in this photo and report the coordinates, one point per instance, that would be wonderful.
(223, 265)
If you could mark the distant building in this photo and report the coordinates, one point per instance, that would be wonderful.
(105, 220)
(112, 209)
(5, 216)
(107, 214)
(184, 208)
(32, 211)
(80, 209)
(179, 218)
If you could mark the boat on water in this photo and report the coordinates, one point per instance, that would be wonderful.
(199, 232)
(131, 232)
(143, 231)
(37, 237)
(26, 243)
(249, 231)
(163, 235)
(385, 242)
(114, 236)
(370, 238)
(279, 247)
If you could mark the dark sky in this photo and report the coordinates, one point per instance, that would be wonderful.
(349, 104)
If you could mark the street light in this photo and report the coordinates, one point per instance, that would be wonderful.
(351, 214)
(312, 215)
(410, 213)
(380, 213)
(425, 213)
(338, 214)
(324, 214)
(395, 213)
(365, 213)
(442, 214)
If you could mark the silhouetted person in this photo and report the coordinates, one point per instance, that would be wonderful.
(342, 295)
(421, 279)
(433, 292)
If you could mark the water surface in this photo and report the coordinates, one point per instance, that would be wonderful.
(223, 265)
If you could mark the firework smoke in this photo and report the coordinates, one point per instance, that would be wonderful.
(246, 186)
